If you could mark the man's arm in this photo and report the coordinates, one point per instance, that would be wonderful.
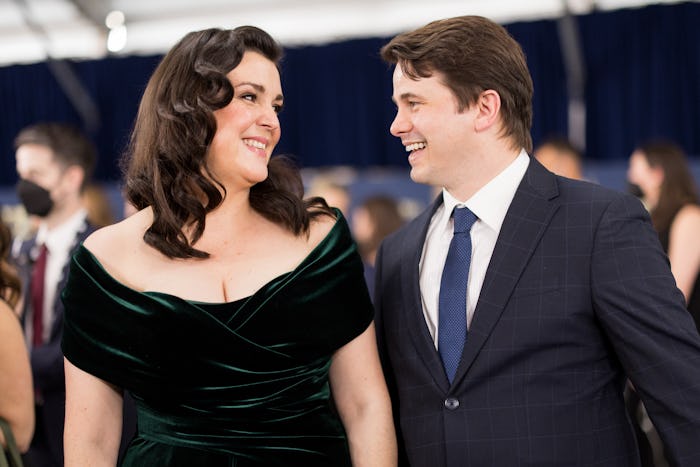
(644, 315)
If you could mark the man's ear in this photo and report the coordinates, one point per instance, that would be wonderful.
(488, 106)
(73, 177)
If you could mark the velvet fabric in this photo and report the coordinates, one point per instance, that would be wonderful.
(243, 383)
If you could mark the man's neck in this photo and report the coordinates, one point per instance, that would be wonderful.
(480, 171)
(59, 216)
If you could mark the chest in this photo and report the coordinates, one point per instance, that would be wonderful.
(233, 271)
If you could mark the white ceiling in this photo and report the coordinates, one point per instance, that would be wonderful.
(33, 30)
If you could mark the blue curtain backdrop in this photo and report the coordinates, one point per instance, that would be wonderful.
(643, 78)
(643, 81)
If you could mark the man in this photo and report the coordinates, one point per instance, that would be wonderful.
(523, 361)
(559, 156)
(54, 162)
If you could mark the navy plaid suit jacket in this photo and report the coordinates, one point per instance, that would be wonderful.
(577, 297)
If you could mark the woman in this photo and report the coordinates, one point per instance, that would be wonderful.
(660, 170)
(233, 311)
(16, 393)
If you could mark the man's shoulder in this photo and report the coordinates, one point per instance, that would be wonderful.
(586, 191)
(22, 252)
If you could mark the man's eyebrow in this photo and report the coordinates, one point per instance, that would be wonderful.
(405, 96)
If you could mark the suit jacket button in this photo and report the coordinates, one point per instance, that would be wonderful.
(451, 403)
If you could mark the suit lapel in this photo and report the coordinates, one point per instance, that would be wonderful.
(420, 335)
(528, 216)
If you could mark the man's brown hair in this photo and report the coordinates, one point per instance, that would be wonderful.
(473, 54)
(69, 145)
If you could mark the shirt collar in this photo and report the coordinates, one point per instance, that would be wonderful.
(490, 204)
(64, 234)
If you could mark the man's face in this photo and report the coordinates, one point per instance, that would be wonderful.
(435, 134)
(37, 164)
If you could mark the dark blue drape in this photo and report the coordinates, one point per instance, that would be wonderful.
(30, 93)
(643, 81)
(643, 78)
(338, 105)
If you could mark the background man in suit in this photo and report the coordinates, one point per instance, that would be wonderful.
(54, 162)
(568, 290)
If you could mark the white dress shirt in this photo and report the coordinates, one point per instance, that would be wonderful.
(59, 242)
(490, 205)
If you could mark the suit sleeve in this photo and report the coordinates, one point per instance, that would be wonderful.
(384, 354)
(47, 365)
(644, 316)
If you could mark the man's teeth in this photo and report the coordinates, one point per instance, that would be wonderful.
(253, 143)
(414, 147)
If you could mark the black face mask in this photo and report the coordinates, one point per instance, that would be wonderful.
(36, 200)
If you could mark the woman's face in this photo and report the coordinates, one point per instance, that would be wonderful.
(247, 128)
(642, 174)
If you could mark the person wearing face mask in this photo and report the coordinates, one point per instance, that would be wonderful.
(54, 161)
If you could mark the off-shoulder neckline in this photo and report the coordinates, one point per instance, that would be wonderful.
(155, 293)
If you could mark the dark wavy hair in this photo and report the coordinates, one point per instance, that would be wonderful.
(473, 54)
(678, 186)
(10, 285)
(165, 165)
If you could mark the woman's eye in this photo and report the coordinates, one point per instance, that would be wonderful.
(249, 97)
(278, 108)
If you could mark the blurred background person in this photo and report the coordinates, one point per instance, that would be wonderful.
(99, 210)
(560, 156)
(16, 394)
(54, 162)
(372, 220)
(334, 192)
(661, 172)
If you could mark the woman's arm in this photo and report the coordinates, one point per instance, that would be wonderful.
(16, 388)
(93, 419)
(360, 394)
(684, 248)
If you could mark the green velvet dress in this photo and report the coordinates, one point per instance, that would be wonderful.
(240, 384)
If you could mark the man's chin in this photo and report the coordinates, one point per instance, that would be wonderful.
(419, 176)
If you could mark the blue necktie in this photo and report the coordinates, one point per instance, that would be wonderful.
(452, 311)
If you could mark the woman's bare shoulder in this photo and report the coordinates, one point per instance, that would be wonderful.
(688, 216)
(117, 240)
(320, 227)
